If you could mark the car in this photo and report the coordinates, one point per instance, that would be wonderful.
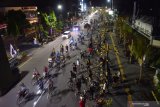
(76, 28)
(66, 35)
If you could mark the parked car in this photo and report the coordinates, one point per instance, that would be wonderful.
(66, 35)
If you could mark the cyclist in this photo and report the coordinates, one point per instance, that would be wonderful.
(36, 74)
(73, 75)
(67, 48)
(61, 49)
(46, 71)
(81, 102)
(23, 90)
(41, 84)
(74, 67)
(50, 85)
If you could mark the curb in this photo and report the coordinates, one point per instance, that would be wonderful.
(155, 97)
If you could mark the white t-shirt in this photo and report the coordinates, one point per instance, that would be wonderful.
(78, 62)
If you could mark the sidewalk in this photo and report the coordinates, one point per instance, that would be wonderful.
(139, 91)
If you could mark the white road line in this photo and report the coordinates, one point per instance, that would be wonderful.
(35, 103)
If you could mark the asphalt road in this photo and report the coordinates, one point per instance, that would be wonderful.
(65, 97)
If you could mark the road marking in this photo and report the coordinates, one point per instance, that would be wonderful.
(35, 103)
(155, 97)
(122, 72)
(24, 62)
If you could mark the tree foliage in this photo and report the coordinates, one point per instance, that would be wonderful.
(16, 21)
(59, 25)
(49, 20)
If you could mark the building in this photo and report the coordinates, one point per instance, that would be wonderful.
(31, 16)
(144, 25)
(29, 33)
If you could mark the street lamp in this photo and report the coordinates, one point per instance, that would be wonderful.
(109, 1)
(59, 7)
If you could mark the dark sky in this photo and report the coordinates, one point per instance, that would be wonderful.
(124, 6)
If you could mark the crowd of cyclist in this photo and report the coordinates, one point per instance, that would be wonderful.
(87, 84)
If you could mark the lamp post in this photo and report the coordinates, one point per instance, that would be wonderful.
(59, 7)
(111, 3)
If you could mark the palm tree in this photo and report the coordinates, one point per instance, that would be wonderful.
(140, 47)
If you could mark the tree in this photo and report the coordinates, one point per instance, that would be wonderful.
(7, 77)
(49, 21)
(16, 22)
(59, 25)
(52, 19)
(140, 47)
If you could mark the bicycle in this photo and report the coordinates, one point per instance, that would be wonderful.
(70, 84)
(104, 102)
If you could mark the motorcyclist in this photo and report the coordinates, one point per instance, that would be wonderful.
(53, 53)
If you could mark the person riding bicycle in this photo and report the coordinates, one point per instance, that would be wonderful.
(73, 75)
(74, 67)
(23, 90)
(82, 102)
(88, 64)
(41, 84)
(75, 44)
(83, 79)
(36, 74)
(46, 71)
(66, 48)
(78, 85)
(61, 48)
(50, 85)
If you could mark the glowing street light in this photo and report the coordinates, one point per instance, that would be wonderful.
(59, 7)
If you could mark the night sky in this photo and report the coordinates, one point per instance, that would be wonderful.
(124, 6)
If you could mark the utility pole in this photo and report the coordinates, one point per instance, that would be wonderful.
(134, 13)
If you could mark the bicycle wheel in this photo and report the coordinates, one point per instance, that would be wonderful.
(33, 82)
(19, 101)
(70, 85)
